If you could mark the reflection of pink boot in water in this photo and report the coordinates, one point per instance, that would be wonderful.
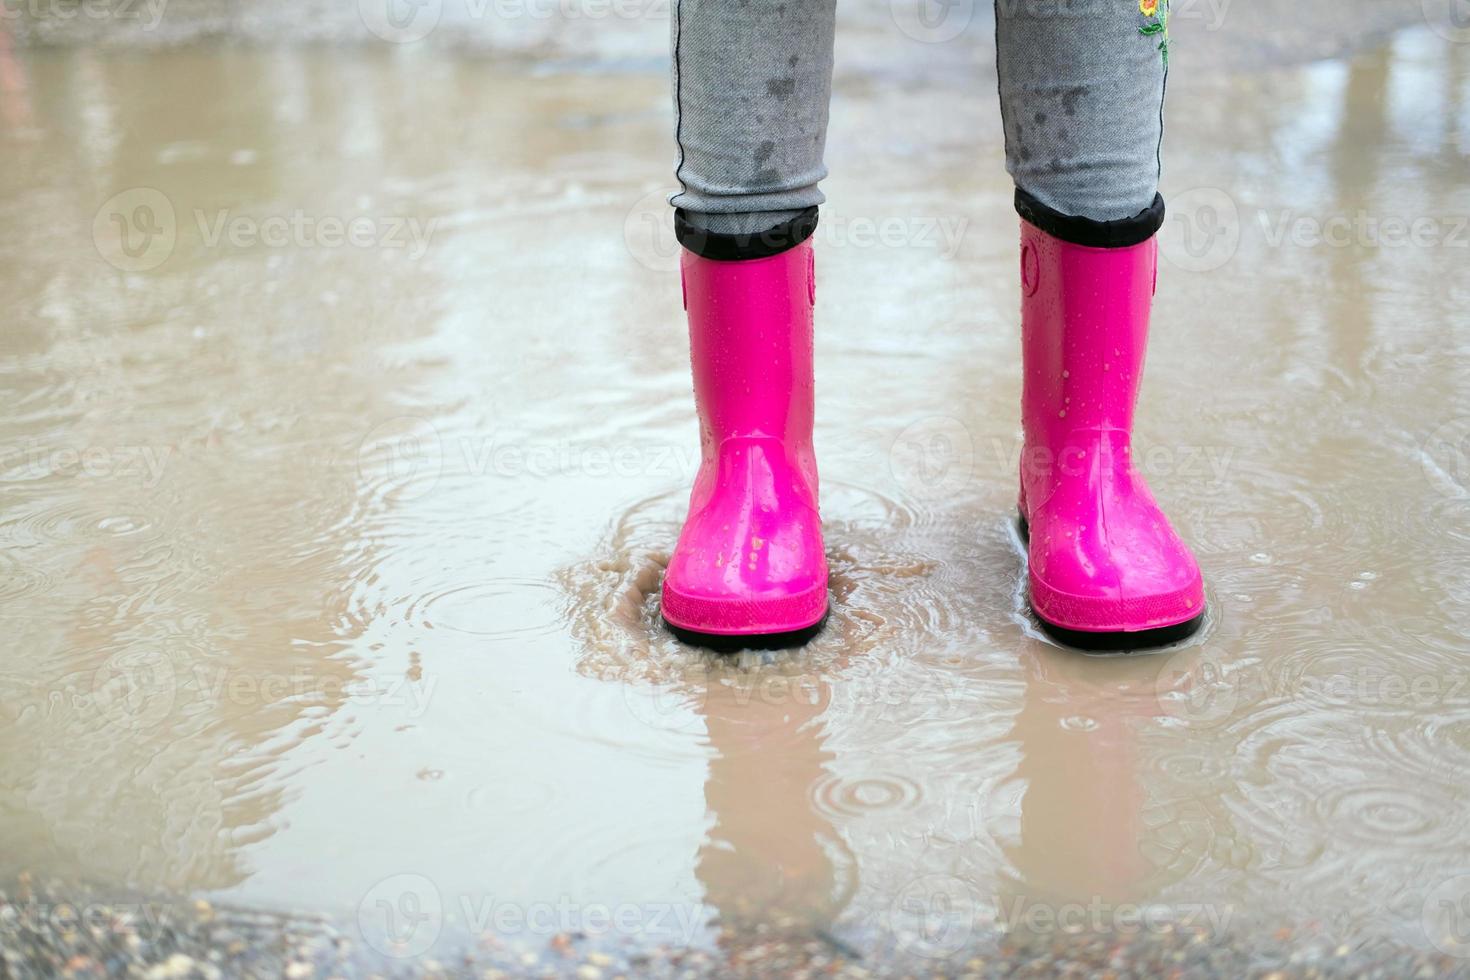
(1106, 568)
(749, 562)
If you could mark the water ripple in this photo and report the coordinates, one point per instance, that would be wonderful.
(884, 594)
(885, 794)
(498, 608)
(18, 580)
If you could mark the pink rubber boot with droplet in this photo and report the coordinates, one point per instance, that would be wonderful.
(749, 562)
(1106, 568)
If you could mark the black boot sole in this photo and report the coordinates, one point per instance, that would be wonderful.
(725, 643)
(1115, 642)
(1136, 640)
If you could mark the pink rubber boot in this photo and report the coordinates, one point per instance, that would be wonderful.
(1106, 568)
(749, 564)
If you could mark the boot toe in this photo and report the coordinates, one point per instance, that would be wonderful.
(747, 574)
(745, 615)
(1117, 576)
(724, 601)
(1117, 612)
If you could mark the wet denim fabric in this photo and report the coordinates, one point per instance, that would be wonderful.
(1081, 86)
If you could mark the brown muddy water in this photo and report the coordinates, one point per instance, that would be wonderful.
(347, 428)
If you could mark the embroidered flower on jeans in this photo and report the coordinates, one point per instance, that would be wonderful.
(1158, 13)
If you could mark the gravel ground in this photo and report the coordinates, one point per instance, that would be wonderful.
(51, 930)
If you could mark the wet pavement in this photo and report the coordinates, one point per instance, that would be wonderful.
(348, 428)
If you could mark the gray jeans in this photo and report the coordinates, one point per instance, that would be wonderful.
(1081, 93)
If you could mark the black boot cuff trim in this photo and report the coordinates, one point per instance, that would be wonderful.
(1120, 233)
(756, 245)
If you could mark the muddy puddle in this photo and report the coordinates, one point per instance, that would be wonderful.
(347, 429)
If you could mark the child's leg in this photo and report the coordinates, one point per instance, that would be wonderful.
(1082, 85)
(751, 83)
(752, 80)
(1081, 95)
